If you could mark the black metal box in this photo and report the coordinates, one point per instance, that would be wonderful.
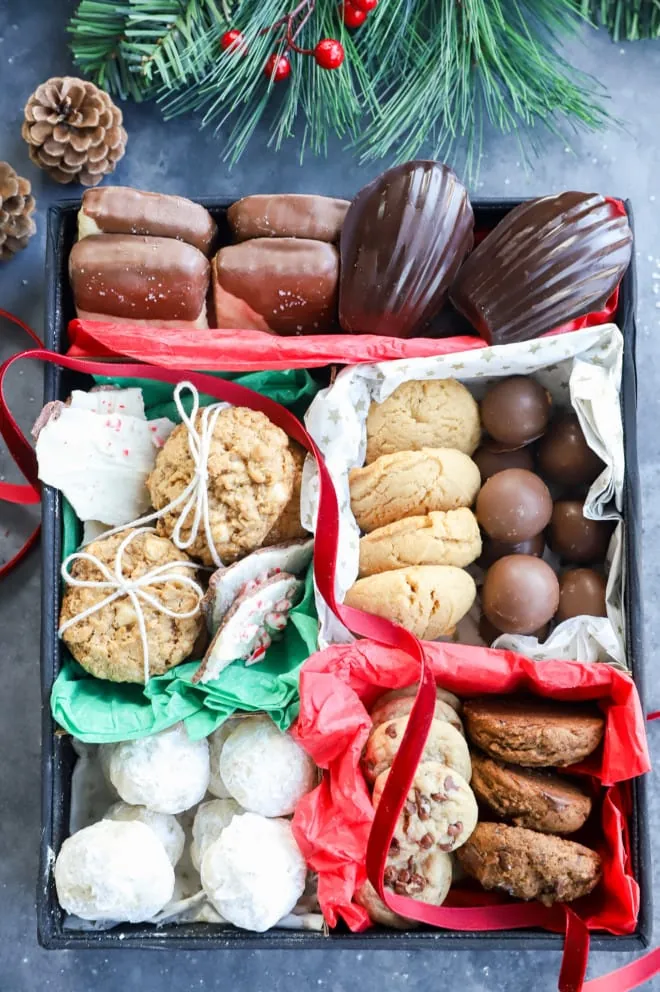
(58, 757)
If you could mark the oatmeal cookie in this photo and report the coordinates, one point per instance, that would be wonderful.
(411, 483)
(529, 865)
(436, 413)
(107, 643)
(439, 538)
(533, 732)
(392, 709)
(288, 527)
(250, 480)
(428, 600)
(529, 797)
(444, 745)
(440, 810)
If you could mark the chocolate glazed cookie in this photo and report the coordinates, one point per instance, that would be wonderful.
(539, 799)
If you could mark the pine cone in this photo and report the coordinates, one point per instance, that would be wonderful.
(16, 206)
(74, 130)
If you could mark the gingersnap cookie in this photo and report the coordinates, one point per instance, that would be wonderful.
(533, 732)
(288, 527)
(449, 537)
(440, 810)
(250, 474)
(412, 483)
(528, 797)
(108, 643)
(392, 709)
(428, 600)
(411, 690)
(529, 865)
(436, 413)
(444, 745)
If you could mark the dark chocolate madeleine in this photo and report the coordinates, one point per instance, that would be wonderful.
(548, 261)
(403, 240)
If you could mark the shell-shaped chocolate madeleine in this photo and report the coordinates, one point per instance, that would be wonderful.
(550, 260)
(403, 240)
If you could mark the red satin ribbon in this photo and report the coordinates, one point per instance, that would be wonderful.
(515, 915)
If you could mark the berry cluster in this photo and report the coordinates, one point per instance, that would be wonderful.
(328, 52)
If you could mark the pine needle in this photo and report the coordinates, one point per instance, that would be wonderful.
(626, 20)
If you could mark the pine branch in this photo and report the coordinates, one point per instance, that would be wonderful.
(626, 20)
(98, 30)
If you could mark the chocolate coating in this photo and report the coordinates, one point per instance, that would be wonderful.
(564, 455)
(514, 505)
(520, 594)
(489, 633)
(494, 550)
(284, 285)
(521, 280)
(287, 215)
(576, 538)
(516, 411)
(581, 593)
(490, 459)
(402, 242)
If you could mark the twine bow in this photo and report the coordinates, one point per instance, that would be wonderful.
(134, 589)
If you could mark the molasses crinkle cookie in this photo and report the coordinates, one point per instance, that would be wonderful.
(250, 478)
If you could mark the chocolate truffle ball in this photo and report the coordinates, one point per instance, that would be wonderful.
(514, 505)
(490, 459)
(494, 550)
(520, 594)
(581, 593)
(574, 537)
(515, 411)
(565, 457)
(489, 633)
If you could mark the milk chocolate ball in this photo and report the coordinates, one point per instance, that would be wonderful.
(516, 411)
(494, 550)
(520, 594)
(574, 537)
(565, 457)
(490, 459)
(514, 505)
(581, 593)
(489, 633)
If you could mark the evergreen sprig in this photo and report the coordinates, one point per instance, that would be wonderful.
(417, 72)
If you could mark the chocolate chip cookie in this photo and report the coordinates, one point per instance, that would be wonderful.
(529, 865)
(440, 810)
(529, 797)
(392, 709)
(533, 732)
(411, 690)
(444, 745)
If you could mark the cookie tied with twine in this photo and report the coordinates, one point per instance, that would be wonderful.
(74, 130)
(131, 608)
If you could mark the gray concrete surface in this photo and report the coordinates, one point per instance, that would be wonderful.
(174, 157)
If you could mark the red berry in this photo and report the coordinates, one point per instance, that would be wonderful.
(353, 17)
(329, 53)
(233, 40)
(277, 68)
(365, 5)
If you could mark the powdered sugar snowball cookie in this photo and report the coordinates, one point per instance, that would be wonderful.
(254, 873)
(216, 741)
(108, 643)
(166, 772)
(166, 827)
(257, 618)
(115, 871)
(435, 413)
(444, 744)
(440, 810)
(392, 709)
(265, 770)
(250, 475)
(411, 690)
(210, 820)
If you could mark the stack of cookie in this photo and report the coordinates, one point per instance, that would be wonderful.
(440, 812)
(412, 502)
(525, 853)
